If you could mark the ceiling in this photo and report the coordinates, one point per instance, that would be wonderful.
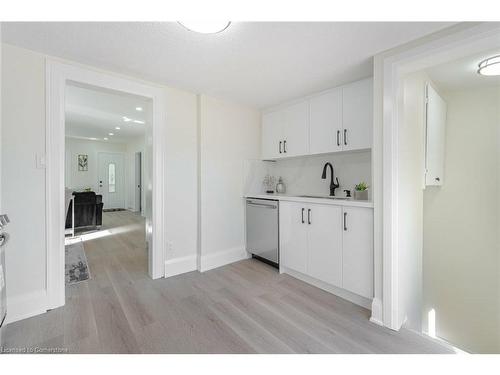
(93, 113)
(462, 73)
(254, 63)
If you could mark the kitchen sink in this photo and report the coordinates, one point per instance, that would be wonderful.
(323, 197)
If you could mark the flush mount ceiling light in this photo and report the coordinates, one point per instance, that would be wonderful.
(111, 134)
(205, 27)
(139, 109)
(126, 119)
(117, 128)
(105, 138)
(490, 66)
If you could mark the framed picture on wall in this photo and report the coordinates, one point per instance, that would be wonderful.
(83, 163)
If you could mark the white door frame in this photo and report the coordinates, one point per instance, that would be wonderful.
(462, 43)
(58, 74)
(124, 183)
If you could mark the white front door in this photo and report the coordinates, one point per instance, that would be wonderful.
(111, 179)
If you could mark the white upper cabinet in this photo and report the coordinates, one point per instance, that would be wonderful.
(285, 132)
(296, 130)
(340, 119)
(357, 115)
(325, 131)
(324, 239)
(357, 253)
(434, 137)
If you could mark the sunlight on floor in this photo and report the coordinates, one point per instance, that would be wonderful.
(101, 233)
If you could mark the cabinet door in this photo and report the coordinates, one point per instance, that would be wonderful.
(293, 236)
(434, 138)
(357, 113)
(324, 240)
(272, 135)
(357, 254)
(296, 129)
(325, 128)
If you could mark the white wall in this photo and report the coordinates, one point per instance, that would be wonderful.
(75, 179)
(230, 135)
(181, 177)
(461, 226)
(410, 198)
(23, 184)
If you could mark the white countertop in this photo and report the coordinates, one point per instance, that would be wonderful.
(294, 198)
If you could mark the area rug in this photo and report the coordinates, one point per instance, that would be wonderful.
(76, 268)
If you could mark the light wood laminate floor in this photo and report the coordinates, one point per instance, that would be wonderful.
(245, 307)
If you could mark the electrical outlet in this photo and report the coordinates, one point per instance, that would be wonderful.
(170, 246)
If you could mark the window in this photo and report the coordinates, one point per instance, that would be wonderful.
(111, 178)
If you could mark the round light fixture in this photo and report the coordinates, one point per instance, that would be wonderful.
(105, 138)
(139, 109)
(111, 134)
(117, 128)
(205, 27)
(490, 66)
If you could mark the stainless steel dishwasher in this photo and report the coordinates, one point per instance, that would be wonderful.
(262, 230)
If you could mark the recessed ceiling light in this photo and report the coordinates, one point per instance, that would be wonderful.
(117, 128)
(93, 139)
(138, 109)
(490, 66)
(205, 27)
(111, 134)
(126, 119)
(105, 138)
(139, 122)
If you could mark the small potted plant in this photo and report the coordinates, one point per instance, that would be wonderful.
(361, 192)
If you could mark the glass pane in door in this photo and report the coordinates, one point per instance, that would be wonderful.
(111, 178)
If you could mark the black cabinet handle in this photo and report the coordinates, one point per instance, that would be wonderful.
(284, 147)
(345, 221)
(338, 137)
(280, 147)
(309, 216)
(345, 137)
(303, 216)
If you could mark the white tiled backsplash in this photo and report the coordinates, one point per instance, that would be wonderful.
(303, 175)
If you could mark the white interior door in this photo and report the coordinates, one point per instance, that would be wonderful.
(111, 179)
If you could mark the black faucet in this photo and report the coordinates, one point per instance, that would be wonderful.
(333, 185)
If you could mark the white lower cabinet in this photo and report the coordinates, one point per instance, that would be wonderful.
(324, 243)
(333, 244)
(357, 252)
(293, 236)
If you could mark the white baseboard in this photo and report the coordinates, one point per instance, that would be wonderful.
(351, 297)
(221, 258)
(377, 317)
(181, 265)
(26, 306)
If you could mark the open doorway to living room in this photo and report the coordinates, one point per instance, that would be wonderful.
(105, 176)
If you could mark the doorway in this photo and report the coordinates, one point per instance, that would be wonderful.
(59, 75)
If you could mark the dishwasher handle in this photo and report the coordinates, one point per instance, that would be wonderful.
(272, 207)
